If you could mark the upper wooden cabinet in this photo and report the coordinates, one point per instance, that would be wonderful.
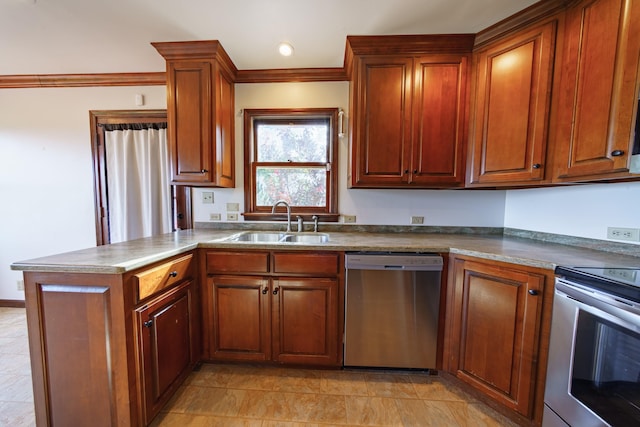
(510, 108)
(408, 100)
(598, 90)
(200, 105)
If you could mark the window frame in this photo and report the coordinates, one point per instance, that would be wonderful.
(252, 212)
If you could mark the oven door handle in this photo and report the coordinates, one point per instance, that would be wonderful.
(607, 307)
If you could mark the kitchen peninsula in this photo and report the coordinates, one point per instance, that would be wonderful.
(89, 312)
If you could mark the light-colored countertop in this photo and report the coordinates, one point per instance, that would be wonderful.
(122, 257)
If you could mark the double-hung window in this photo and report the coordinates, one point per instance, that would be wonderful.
(291, 155)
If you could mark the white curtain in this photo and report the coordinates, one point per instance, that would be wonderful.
(138, 183)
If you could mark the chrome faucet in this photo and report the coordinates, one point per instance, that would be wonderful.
(315, 223)
(283, 202)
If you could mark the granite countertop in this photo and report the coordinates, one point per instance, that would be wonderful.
(126, 256)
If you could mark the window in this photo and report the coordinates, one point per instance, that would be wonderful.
(291, 155)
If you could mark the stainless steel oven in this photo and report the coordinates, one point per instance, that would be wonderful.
(593, 375)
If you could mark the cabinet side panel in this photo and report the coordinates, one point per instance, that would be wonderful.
(225, 146)
(76, 341)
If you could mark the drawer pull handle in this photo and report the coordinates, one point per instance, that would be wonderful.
(275, 290)
(200, 171)
(265, 290)
(173, 274)
(617, 153)
(533, 292)
(148, 323)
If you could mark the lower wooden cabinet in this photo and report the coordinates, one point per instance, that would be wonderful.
(494, 329)
(164, 330)
(289, 317)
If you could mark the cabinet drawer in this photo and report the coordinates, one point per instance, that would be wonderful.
(297, 263)
(237, 262)
(151, 281)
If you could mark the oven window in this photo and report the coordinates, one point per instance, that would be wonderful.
(606, 370)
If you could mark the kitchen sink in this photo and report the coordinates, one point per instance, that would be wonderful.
(306, 238)
(279, 237)
(257, 237)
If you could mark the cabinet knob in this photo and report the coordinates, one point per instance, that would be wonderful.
(275, 290)
(617, 153)
(265, 289)
(415, 171)
(533, 292)
(406, 171)
(173, 274)
(148, 324)
(537, 166)
(204, 171)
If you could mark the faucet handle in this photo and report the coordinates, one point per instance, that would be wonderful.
(300, 223)
(315, 219)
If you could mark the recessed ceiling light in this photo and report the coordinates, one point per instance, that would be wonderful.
(285, 49)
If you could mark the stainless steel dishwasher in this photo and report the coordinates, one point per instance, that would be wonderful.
(392, 308)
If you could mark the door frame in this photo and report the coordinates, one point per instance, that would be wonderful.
(181, 195)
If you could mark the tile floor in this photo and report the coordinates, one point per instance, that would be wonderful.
(257, 396)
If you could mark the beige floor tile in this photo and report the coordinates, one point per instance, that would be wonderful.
(15, 364)
(344, 383)
(434, 388)
(196, 400)
(275, 405)
(252, 378)
(420, 413)
(186, 420)
(14, 345)
(390, 385)
(297, 380)
(372, 411)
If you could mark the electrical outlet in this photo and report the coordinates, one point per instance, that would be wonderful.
(619, 233)
(21, 285)
(214, 217)
(232, 217)
(207, 197)
(417, 220)
(233, 207)
(348, 219)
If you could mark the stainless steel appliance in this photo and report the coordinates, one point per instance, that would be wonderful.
(392, 309)
(593, 375)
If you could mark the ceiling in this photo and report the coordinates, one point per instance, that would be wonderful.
(112, 36)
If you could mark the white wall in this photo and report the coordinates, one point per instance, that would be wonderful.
(46, 176)
(580, 210)
(389, 207)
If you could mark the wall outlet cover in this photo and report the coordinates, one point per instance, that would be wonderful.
(207, 197)
(232, 217)
(349, 219)
(621, 233)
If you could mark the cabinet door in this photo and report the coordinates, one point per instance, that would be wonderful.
(511, 106)
(165, 345)
(190, 121)
(598, 90)
(305, 321)
(240, 318)
(495, 328)
(439, 133)
(382, 121)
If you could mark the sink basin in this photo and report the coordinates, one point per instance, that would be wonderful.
(306, 238)
(279, 237)
(257, 237)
